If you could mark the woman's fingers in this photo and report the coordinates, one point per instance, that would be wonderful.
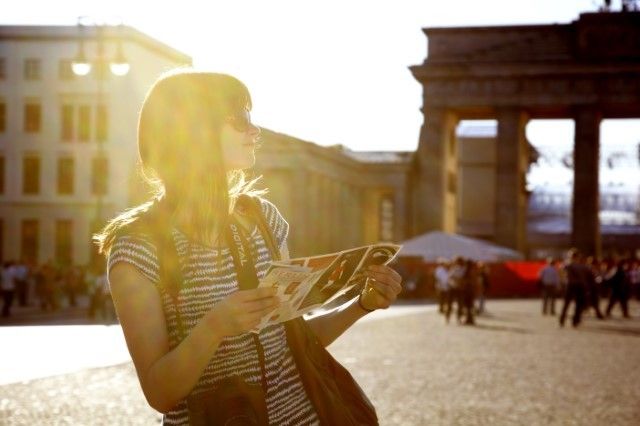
(383, 289)
(254, 294)
(263, 305)
(385, 276)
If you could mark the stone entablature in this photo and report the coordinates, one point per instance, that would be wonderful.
(546, 69)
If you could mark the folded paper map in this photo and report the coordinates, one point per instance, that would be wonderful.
(308, 283)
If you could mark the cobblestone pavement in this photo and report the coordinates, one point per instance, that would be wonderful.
(515, 367)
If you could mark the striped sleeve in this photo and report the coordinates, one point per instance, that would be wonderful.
(137, 251)
(276, 222)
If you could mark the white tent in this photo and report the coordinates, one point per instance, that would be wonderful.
(434, 245)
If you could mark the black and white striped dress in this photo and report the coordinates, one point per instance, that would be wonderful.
(208, 278)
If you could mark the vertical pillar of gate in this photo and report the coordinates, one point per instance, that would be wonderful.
(435, 197)
(511, 163)
(585, 231)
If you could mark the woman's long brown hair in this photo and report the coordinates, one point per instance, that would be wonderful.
(180, 156)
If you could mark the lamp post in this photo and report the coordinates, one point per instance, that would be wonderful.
(81, 66)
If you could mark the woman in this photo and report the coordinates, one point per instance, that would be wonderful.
(194, 139)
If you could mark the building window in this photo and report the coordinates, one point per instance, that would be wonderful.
(64, 242)
(29, 241)
(64, 70)
(99, 176)
(3, 117)
(102, 123)
(386, 218)
(3, 68)
(65, 176)
(32, 118)
(84, 125)
(31, 175)
(66, 113)
(32, 69)
(1, 174)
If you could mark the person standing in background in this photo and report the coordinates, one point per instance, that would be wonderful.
(8, 283)
(616, 280)
(634, 278)
(441, 278)
(593, 287)
(483, 277)
(456, 273)
(22, 285)
(468, 289)
(577, 274)
(550, 283)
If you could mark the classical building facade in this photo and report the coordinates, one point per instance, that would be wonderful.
(55, 180)
(335, 198)
(587, 70)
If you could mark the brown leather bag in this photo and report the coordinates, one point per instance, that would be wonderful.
(335, 395)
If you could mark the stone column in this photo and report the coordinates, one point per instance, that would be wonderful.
(511, 163)
(585, 231)
(434, 209)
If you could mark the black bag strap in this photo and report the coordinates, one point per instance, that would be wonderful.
(244, 262)
(171, 277)
(243, 259)
(253, 207)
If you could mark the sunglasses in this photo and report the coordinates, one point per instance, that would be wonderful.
(240, 121)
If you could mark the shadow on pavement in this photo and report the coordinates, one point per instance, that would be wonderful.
(633, 332)
(502, 328)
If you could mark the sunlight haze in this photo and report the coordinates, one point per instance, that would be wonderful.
(330, 72)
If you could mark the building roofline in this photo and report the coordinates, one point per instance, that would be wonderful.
(89, 33)
(588, 17)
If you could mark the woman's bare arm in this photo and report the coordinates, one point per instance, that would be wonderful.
(166, 376)
(383, 287)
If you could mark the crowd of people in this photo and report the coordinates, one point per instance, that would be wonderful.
(583, 280)
(462, 282)
(51, 287)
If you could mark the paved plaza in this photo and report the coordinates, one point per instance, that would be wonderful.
(515, 367)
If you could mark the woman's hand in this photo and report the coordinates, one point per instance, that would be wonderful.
(242, 311)
(382, 288)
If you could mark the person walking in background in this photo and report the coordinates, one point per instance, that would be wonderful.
(634, 278)
(8, 283)
(441, 278)
(468, 288)
(456, 272)
(577, 274)
(549, 279)
(593, 287)
(21, 273)
(483, 288)
(49, 299)
(72, 284)
(616, 280)
(104, 303)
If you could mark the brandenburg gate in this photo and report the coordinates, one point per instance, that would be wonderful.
(587, 71)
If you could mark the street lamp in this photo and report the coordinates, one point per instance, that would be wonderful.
(81, 66)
